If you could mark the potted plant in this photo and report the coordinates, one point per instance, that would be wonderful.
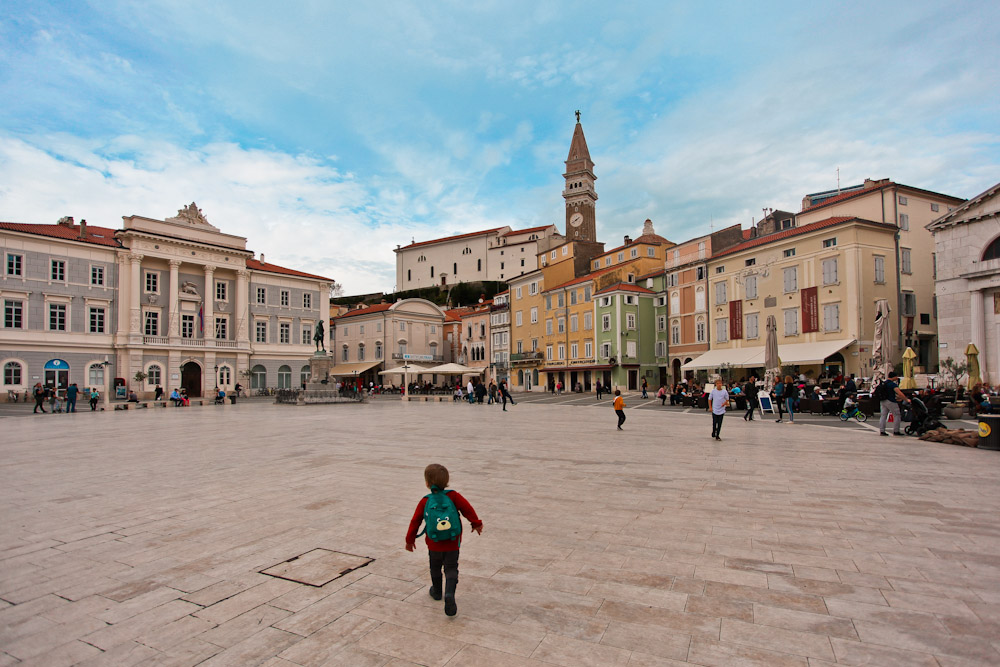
(952, 370)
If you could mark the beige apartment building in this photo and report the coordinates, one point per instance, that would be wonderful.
(687, 292)
(911, 210)
(820, 280)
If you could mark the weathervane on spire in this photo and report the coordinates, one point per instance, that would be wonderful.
(578, 115)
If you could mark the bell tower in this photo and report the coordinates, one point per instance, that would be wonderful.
(580, 196)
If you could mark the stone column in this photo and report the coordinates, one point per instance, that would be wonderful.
(173, 316)
(209, 312)
(241, 308)
(135, 302)
(977, 326)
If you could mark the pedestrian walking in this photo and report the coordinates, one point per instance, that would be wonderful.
(645, 388)
(39, 395)
(718, 399)
(790, 398)
(889, 397)
(505, 395)
(750, 391)
(599, 388)
(779, 397)
(619, 406)
(71, 394)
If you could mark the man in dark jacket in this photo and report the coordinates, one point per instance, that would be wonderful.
(750, 391)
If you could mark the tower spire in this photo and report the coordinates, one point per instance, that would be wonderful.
(580, 196)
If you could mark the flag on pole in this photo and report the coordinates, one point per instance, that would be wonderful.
(201, 319)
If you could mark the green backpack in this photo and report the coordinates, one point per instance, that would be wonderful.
(441, 521)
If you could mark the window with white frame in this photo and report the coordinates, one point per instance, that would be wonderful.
(96, 316)
(621, 257)
(790, 252)
(565, 250)
(629, 300)
(586, 293)
(675, 302)
(720, 269)
(95, 375)
(720, 293)
(699, 331)
(548, 352)
(187, 326)
(607, 300)
(904, 222)
(262, 295)
(830, 271)
(361, 351)
(588, 349)
(517, 292)
(284, 333)
(402, 326)
(344, 353)
(606, 322)
(307, 301)
(675, 334)
(574, 323)
(572, 298)
(792, 322)
(361, 330)
(651, 251)
(722, 330)
(517, 319)
(630, 320)
(307, 334)
(153, 375)
(284, 297)
(903, 200)
(221, 327)
(791, 279)
(605, 350)
(671, 280)
(699, 298)
(13, 314)
(13, 373)
(634, 253)
(661, 323)
(151, 323)
(750, 287)
(534, 315)
(831, 317)
(909, 304)
(904, 261)
(260, 331)
(548, 327)
(225, 376)
(751, 326)
(588, 321)
(597, 264)
(879, 269)
(561, 351)
(574, 350)
(57, 270)
(378, 349)
(607, 261)
(560, 300)
(829, 243)
(630, 348)
(533, 288)
(661, 348)
(221, 290)
(152, 282)
(97, 276)
(15, 264)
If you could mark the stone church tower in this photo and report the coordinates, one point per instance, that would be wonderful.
(580, 196)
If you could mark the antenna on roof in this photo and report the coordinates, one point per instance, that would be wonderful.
(838, 180)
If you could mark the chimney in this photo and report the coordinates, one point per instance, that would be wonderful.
(83, 229)
(66, 221)
(627, 240)
(261, 258)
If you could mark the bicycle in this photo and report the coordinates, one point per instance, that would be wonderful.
(853, 411)
(13, 396)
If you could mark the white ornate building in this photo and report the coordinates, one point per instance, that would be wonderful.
(176, 299)
(967, 280)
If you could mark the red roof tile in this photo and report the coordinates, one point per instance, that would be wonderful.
(626, 287)
(583, 279)
(96, 235)
(746, 234)
(452, 238)
(795, 231)
(367, 310)
(274, 268)
(529, 230)
(658, 272)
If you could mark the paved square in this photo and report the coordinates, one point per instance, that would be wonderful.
(138, 538)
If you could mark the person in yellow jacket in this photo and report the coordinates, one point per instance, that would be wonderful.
(619, 406)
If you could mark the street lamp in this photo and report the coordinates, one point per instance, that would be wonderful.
(217, 378)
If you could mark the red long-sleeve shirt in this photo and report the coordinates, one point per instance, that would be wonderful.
(463, 507)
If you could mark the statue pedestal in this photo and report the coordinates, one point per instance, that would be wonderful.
(319, 366)
(316, 392)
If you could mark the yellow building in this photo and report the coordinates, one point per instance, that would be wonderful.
(820, 281)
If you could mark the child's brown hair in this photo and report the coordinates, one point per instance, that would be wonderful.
(436, 475)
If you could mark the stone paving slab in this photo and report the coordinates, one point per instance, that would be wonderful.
(139, 538)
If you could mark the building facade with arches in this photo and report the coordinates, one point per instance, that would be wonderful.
(967, 281)
(176, 300)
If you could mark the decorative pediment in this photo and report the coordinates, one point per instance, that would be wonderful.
(191, 215)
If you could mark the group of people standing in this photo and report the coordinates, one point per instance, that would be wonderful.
(46, 394)
(478, 392)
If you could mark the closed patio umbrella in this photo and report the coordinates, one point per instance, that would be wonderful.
(972, 357)
(772, 364)
(882, 347)
(908, 382)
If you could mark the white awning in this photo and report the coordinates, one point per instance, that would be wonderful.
(344, 370)
(802, 354)
(411, 368)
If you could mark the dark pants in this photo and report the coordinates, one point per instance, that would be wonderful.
(93, 404)
(507, 397)
(751, 405)
(599, 391)
(71, 404)
(781, 405)
(621, 417)
(716, 424)
(39, 404)
(448, 560)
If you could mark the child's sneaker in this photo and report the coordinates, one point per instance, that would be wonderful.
(435, 593)
(450, 608)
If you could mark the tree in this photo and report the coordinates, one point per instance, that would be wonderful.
(952, 370)
(336, 289)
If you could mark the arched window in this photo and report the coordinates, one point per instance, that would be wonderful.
(992, 250)
(304, 374)
(534, 377)
(12, 373)
(95, 375)
(153, 375)
(258, 377)
(225, 376)
(284, 377)
(361, 351)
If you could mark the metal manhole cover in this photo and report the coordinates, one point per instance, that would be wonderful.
(317, 567)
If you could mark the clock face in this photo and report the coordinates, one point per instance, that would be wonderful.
(576, 219)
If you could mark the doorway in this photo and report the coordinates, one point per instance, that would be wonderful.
(191, 379)
(677, 370)
(57, 374)
(633, 380)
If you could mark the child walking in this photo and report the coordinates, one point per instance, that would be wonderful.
(619, 406)
(443, 532)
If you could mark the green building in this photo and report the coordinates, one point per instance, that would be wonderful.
(627, 335)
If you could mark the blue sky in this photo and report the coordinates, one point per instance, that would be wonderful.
(329, 132)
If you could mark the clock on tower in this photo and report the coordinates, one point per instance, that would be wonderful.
(579, 194)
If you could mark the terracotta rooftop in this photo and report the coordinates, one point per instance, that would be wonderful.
(452, 238)
(529, 230)
(796, 231)
(583, 279)
(875, 186)
(626, 287)
(95, 235)
(658, 272)
(367, 310)
(254, 265)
